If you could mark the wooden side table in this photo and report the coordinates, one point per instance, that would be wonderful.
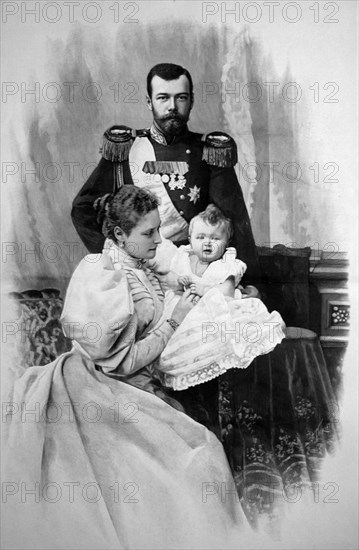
(329, 275)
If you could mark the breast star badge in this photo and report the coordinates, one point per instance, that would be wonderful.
(194, 194)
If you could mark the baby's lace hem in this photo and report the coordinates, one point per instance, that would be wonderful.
(182, 381)
(185, 381)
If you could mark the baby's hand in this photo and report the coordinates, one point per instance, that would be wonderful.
(250, 292)
(198, 288)
(184, 280)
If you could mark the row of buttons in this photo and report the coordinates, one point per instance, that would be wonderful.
(182, 197)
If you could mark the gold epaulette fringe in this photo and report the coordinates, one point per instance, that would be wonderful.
(117, 142)
(220, 150)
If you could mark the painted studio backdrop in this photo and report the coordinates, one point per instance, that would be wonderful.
(279, 77)
(280, 88)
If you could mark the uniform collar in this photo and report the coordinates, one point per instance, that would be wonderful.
(158, 136)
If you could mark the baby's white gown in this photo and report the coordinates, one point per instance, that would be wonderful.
(219, 333)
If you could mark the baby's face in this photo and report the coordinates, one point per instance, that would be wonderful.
(209, 242)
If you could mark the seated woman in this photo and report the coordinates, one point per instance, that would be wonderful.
(94, 461)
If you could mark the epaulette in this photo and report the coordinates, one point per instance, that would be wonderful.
(117, 142)
(219, 150)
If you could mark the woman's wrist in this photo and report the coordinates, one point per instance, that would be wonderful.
(173, 323)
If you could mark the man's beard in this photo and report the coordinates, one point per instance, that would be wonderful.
(171, 125)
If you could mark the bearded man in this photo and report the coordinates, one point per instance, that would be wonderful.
(187, 170)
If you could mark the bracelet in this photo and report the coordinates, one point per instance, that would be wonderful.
(173, 324)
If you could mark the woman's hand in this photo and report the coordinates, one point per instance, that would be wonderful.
(198, 288)
(183, 307)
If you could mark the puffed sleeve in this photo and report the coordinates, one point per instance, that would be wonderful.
(165, 253)
(99, 316)
(162, 265)
(233, 267)
(180, 262)
(228, 266)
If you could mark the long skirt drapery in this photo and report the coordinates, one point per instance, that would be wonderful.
(93, 462)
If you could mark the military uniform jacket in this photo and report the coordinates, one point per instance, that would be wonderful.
(191, 173)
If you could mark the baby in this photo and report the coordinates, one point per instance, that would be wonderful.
(207, 262)
(224, 330)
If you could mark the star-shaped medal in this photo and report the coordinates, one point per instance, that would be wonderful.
(194, 194)
(181, 183)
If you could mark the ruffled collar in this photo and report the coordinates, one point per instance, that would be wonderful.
(119, 256)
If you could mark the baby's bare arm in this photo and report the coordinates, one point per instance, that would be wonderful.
(228, 287)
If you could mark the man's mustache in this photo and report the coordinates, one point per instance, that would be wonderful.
(174, 116)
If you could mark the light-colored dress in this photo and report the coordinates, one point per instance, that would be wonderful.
(111, 466)
(125, 333)
(219, 333)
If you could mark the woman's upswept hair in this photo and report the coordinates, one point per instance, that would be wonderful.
(124, 209)
(213, 216)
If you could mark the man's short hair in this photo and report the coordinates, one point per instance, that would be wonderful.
(168, 71)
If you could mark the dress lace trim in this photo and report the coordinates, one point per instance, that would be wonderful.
(231, 361)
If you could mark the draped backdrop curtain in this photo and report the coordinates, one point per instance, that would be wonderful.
(94, 80)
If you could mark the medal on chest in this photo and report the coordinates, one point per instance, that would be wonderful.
(173, 180)
(172, 175)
